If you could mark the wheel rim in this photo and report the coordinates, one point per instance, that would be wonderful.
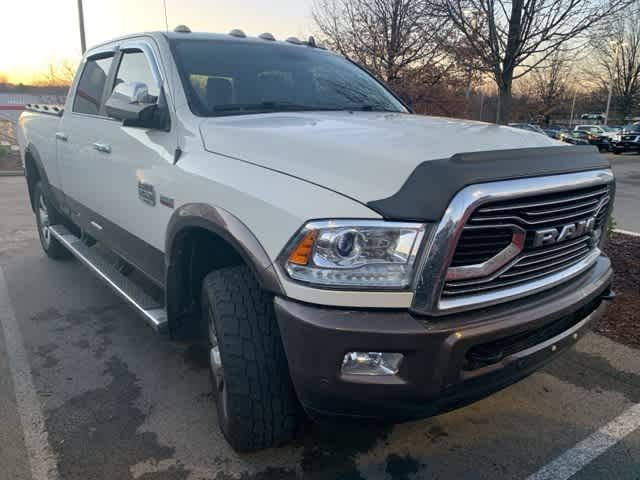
(43, 216)
(215, 364)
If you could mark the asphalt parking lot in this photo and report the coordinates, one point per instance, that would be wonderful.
(99, 395)
(627, 170)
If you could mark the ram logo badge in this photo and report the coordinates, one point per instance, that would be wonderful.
(549, 236)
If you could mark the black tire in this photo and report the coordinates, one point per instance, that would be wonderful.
(615, 151)
(46, 216)
(256, 404)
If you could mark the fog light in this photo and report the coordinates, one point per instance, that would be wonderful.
(371, 363)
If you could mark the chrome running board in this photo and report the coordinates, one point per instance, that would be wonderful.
(152, 311)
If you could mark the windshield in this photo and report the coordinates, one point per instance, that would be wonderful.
(223, 77)
(610, 129)
(634, 127)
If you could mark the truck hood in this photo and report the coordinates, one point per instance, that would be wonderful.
(364, 155)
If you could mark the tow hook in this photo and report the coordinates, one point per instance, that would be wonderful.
(608, 296)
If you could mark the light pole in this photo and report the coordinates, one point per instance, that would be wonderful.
(573, 106)
(573, 103)
(83, 43)
(166, 19)
(616, 50)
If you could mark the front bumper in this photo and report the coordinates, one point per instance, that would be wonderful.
(625, 145)
(449, 361)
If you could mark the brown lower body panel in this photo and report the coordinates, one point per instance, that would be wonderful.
(449, 361)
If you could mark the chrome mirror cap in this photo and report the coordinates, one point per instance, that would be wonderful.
(131, 92)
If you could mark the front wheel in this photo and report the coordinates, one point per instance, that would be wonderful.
(256, 404)
(46, 216)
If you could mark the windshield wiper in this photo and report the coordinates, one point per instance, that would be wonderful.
(267, 107)
(370, 108)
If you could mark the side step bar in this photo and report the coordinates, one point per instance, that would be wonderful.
(152, 311)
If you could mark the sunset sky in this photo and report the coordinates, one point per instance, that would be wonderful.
(36, 33)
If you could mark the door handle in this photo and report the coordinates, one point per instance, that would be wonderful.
(102, 147)
(61, 136)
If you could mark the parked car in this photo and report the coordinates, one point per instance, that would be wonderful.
(335, 251)
(528, 126)
(598, 117)
(627, 140)
(603, 142)
(575, 138)
(598, 130)
(556, 132)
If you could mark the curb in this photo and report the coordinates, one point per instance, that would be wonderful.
(11, 173)
(626, 232)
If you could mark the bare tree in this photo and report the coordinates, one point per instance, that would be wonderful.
(392, 38)
(551, 83)
(617, 57)
(60, 75)
(513, 37)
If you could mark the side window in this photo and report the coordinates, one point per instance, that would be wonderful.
(134, 67)
(91, 85)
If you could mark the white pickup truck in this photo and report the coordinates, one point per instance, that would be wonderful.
(341, 255)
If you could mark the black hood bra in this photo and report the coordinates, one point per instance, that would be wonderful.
(429, 189)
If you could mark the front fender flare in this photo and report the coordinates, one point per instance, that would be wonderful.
(231, 229)
(227, 227)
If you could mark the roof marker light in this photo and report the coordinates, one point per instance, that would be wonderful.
(312, 42)
(236, 32)
(294, 40)
(182, 29)
(267, 36)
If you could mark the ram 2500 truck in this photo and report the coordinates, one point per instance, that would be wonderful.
(340, 255)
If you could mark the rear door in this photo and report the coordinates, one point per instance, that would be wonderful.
(78, 131)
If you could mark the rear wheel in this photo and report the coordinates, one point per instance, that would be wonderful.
(46, 216)
(255, 401)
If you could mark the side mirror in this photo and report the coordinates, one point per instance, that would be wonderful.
(131, 103)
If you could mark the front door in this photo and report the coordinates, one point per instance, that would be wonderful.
(128, 167)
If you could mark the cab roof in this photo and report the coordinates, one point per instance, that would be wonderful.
(219, 37)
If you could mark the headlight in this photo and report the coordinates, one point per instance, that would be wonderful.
(354, 253)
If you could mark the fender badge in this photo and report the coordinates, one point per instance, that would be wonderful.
(166, 201)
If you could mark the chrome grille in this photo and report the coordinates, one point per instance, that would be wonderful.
(479, 245)
(488, 231)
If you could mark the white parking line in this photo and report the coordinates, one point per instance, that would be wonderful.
(41, 458)
(626, 232)
(575, 459)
